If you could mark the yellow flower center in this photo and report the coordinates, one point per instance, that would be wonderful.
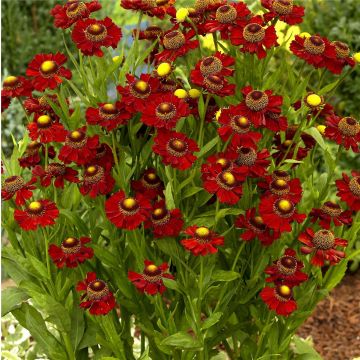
(109, 107)
(44, 120)
(280, 182)
(229, 178)
(357, 57)
(91, 170)
(35, 206)
(202, 231)
(151, 176)
(321, 129)
(48, 66)
(76, 135)
(181, 93)
(10, 80)
(285, 205)
(95, 28)
(259, 220)
(182, 14)
(141, 85)
(287, 143)
(129, 203)
(313, 100)
(152, 268)
(284, 290)
(70, 241)
(163, 69)
(158, 212)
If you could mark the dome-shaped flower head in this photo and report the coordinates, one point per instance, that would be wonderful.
(202, 241)
(36, 214)
(349, 190)
(15, 86)
(32, 156)
(150, 280)
(164, 222)
(57, 171)
(5, 102)
(342, 59)
(97, 297)
(279, 213)
(79, 148)
(108, 116)
(345, 131)
(279, 298)
(16, 185)
(46, 129)
(40, 105)
(255, 228)
(74, 10)
(287, 270)
(149, 185)
(284, 10)
(104, 156)
(71, 252)
(255, 37)
(175, 149)
(47, 71)
(90, 35)
(322, 244)
(127, 212)
(96, 181)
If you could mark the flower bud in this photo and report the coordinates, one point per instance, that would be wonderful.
(313, 100)
(182, 14)
(194, 93)
(217, 114)
(357, 57)
(305, 35)
(163, 69)
(181, 93)
(116, 59)
(321, 129)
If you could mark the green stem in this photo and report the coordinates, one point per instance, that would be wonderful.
(68, 346)
(237, 255)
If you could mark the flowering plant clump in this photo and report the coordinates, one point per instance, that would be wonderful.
(188, 191)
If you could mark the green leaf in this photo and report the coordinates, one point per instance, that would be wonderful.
(205, 149)
(328, 88)
(182, 340)
(75, 219)
(191, 191)
(12, 298)
(170, 203)
(38, 266)
(314, 132)
(303, 347)
(223, 275)
(171, 284)
(228, 211)
(211, 320)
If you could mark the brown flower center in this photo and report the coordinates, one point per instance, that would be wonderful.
(140, 89)
(331, 208)
(348, 126)
(253, 33)
(226, 14)
(71, 245)
(75, 9)
(97, 289)
(324, 240)
(33, 148)
(96, 32)
(150, 180)
(152, 32)
(282, 7)
(56, 169)
(281, 175)
(177, 147)
(257, 100)
(165, 111)
(210, 65)
(160, 216)
(354, 185)
(246, 156)
(257, 224)
(174, 40)
(213, 82)
(287, 265)
(284, 208)
(314, 45)
(342, 50)
(13, 184)
(279, 187)
(283, 293)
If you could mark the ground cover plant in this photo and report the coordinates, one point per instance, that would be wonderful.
(184, 188)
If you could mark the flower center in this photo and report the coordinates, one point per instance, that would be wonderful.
(160, 216)
(226, 14)
(279, 187)
(282, 7)
(35, 207)
(314, 45)
(342, 50)
(129, 205)
(240, 124)
(324, 240)
(10, 81)
(225, 163)
(287, 265)
(354, 186)
(93, 174)
(33, 148)
(210, 65)
(13, 183)
(348, 126)
(283, 293)
(256, 100)
(177, 147)
(165, 111)
(174, 40)
(140, 89)
(257, 224)
(152, 32)
(44, 121)
(70, 245)
(75, 9)
(228, 179)
(280, 174)
(152, 273)
(150, 180)
(287, 143)
(313, 100)
(96, 32)
(56, 169)
(76, 139)
(284, 208)
(254, 33)
(202, 232)
(97, 289)
(331, 208)
(247, 156)
(48, 67)
(213, 82)
(109, 108)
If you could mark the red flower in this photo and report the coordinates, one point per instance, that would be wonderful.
(104, 156)
(315, 50)
(72, 11)
(282, 186)
(227, 18)
(47, 129)
(176, 149)
(47, 71)
(137, 91)
(79, 148)
(150, 280)
(5, 102)
(136, 5)
(285, 10)
(214, 84)
(216, 159)
(233, 123)
(203, 241)
(260, 107)
(349, 190)
(40, 105)
(58, 171)
(250, 162)
(226, 184)
(16, 185)
(278, 213)
(98, 298)
(96, 181)
(163, 111)
(38, 213)
(255, 228)
(91, 34)
(286, 269)
(323, 244)
(164, 222)
(109, 116)
(342, 59)
(176, 44)
(15, 86)
(279, 299)
(149, 185)
(32, 157)
(71, 253)
(345, 131)
(329, 212)
(254, 37)
(127, 212)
